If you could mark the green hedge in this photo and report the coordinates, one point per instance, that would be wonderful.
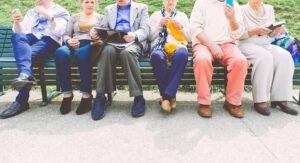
(285, 9)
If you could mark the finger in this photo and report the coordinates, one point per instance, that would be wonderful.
(266, 29)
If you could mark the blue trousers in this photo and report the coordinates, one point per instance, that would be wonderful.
(168, 80)
(63, 57)
(27, 47)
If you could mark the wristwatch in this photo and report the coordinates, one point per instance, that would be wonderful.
(51, 18)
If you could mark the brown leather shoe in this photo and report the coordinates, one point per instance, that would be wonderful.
(235, 111)
(205, 111)
(173, 103)
(166, 106)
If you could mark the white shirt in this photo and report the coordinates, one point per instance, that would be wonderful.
(208, 16)
(40, 26)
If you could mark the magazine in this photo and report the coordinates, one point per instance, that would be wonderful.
(113, 37)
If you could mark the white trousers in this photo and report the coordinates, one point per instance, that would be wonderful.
(272, 72)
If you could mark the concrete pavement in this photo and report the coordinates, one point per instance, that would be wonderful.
(43, 135)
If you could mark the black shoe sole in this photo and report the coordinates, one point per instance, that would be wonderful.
(102, 116)
(289, 112)
(262, 112)
(23, 84)
(137, 115)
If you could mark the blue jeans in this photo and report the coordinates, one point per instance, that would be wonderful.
(27, 47)
(168, 80)
(63, 58)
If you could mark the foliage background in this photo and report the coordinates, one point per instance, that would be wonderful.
(285, 9)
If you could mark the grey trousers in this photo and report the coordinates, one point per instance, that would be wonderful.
(107, 65)
(272, 72)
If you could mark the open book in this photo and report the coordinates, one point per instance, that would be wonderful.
(113, 37)
(276, 25)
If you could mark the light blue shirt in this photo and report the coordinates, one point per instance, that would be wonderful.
(123, 18)
(40, 26)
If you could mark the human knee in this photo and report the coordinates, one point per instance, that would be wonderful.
(16, 36)
(181, 54)
(157, 55)
(240, 62)
(62, 53)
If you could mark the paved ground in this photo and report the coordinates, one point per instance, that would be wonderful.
(43, 135)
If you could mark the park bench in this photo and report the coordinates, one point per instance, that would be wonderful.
(45, 71)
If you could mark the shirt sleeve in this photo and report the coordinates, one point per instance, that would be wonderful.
(155, 28)
(144, 29)
(26, 23)
(69, 30)
(197, 20)
(104, 21)
(186, 27)
(238, 33)
(61, 22)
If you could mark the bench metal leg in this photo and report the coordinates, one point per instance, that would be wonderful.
(1, 86)
(110, 97)
(55, 93)
(43, 86)
(52, 95)
(297, 101)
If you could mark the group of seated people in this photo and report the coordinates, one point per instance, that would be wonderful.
(235, 36)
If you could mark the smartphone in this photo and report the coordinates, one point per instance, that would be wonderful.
(276, 25)
(229, 2)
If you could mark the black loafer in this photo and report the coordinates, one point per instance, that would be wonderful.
(14, 109)
(262, 110)
(284, 108)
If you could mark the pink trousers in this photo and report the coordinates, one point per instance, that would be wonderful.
(236, 65)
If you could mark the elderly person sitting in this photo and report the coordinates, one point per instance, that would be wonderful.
(169, 35)
(131, 17)
(36, 36)
(215, 27)
(273, 67)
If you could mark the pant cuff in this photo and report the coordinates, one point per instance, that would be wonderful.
(136, 93)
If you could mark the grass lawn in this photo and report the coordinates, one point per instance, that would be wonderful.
(285, 9)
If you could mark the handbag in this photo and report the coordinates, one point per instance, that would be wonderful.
(290, 44)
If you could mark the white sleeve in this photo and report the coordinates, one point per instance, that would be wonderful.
(197, 20)
(238, 33)
(26, 23)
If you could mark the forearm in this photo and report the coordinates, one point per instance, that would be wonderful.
(17, 27)
(204, 40)
(233, 25)
(52, 24)
(251, 33)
